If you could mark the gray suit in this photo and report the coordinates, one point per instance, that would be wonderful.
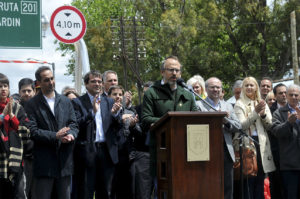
(228, 131)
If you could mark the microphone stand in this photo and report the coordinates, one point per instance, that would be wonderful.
(242, 134)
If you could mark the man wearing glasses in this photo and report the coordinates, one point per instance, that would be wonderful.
(165, 95)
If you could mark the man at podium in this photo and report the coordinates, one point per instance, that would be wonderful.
(164, 96)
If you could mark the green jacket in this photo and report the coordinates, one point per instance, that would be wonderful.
(159, 99)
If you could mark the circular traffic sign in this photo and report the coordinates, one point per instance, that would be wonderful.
(68, 24)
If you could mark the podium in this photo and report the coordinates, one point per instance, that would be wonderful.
(178, 177)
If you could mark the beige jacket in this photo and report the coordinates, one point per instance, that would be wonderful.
(249, 119)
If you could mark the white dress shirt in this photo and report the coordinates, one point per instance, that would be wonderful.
(51, 102)
(100, 137)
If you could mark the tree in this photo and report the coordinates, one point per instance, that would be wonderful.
(228, 39)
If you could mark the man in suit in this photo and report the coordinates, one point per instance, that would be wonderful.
(53, 129)
(280, 95)
(276, 187)
(213, 88)
(96, 150)
(110, 78)
(265, 87)
(285, 127)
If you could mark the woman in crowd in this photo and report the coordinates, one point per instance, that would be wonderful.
(255, 118)
(71, 94)
(270, 99)
(197, 83)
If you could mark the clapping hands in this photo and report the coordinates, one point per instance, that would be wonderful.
(260, 108)
(8, 110)
(116, 107)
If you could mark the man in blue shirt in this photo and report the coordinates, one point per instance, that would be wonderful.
(286, 127)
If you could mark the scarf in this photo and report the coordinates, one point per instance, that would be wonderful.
(2, 105)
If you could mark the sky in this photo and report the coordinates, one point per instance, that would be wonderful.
(15, 72)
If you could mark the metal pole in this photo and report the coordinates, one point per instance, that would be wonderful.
(294, 47)
(136, 59)
(53, 68)
(123, 53)
(82, 64)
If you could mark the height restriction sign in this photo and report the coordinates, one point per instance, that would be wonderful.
(68, 24)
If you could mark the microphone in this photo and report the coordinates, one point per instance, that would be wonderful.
(181, 82)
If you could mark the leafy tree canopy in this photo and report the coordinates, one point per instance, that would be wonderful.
(228, 39)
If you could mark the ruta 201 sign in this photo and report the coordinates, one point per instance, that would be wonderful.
(20, 24)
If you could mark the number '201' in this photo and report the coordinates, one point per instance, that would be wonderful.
(29, 7)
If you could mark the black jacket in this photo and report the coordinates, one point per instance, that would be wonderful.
(288, 136)
(52, 158)
(85, 147)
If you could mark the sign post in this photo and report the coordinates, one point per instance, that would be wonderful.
(68, 24)
(20, 24)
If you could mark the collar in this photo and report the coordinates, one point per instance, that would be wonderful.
(216, 106)
(291, 108)
(51, 98)
(92, 97)
(279, 106)
(246, 100)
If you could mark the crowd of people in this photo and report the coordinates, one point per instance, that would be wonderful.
(98, 145)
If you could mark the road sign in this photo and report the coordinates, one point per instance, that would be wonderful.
(20, 24)
(68, 24)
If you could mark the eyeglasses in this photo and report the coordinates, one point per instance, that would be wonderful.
(96, 81)
(172, 70)
(215, 87)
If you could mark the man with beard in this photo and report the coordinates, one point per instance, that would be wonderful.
(53, 129)
(165, 95)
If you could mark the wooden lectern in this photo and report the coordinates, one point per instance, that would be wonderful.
(179, 178)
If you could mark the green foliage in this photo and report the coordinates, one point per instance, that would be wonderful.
(227, 39)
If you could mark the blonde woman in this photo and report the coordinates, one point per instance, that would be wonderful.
(270, 99)
(197, 83)
(255, 118)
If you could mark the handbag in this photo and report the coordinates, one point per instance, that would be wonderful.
(250, 168)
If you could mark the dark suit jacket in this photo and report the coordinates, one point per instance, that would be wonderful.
(51, 157)
(288, 136)
(274, 107)
(87, 128)
(274, 141)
